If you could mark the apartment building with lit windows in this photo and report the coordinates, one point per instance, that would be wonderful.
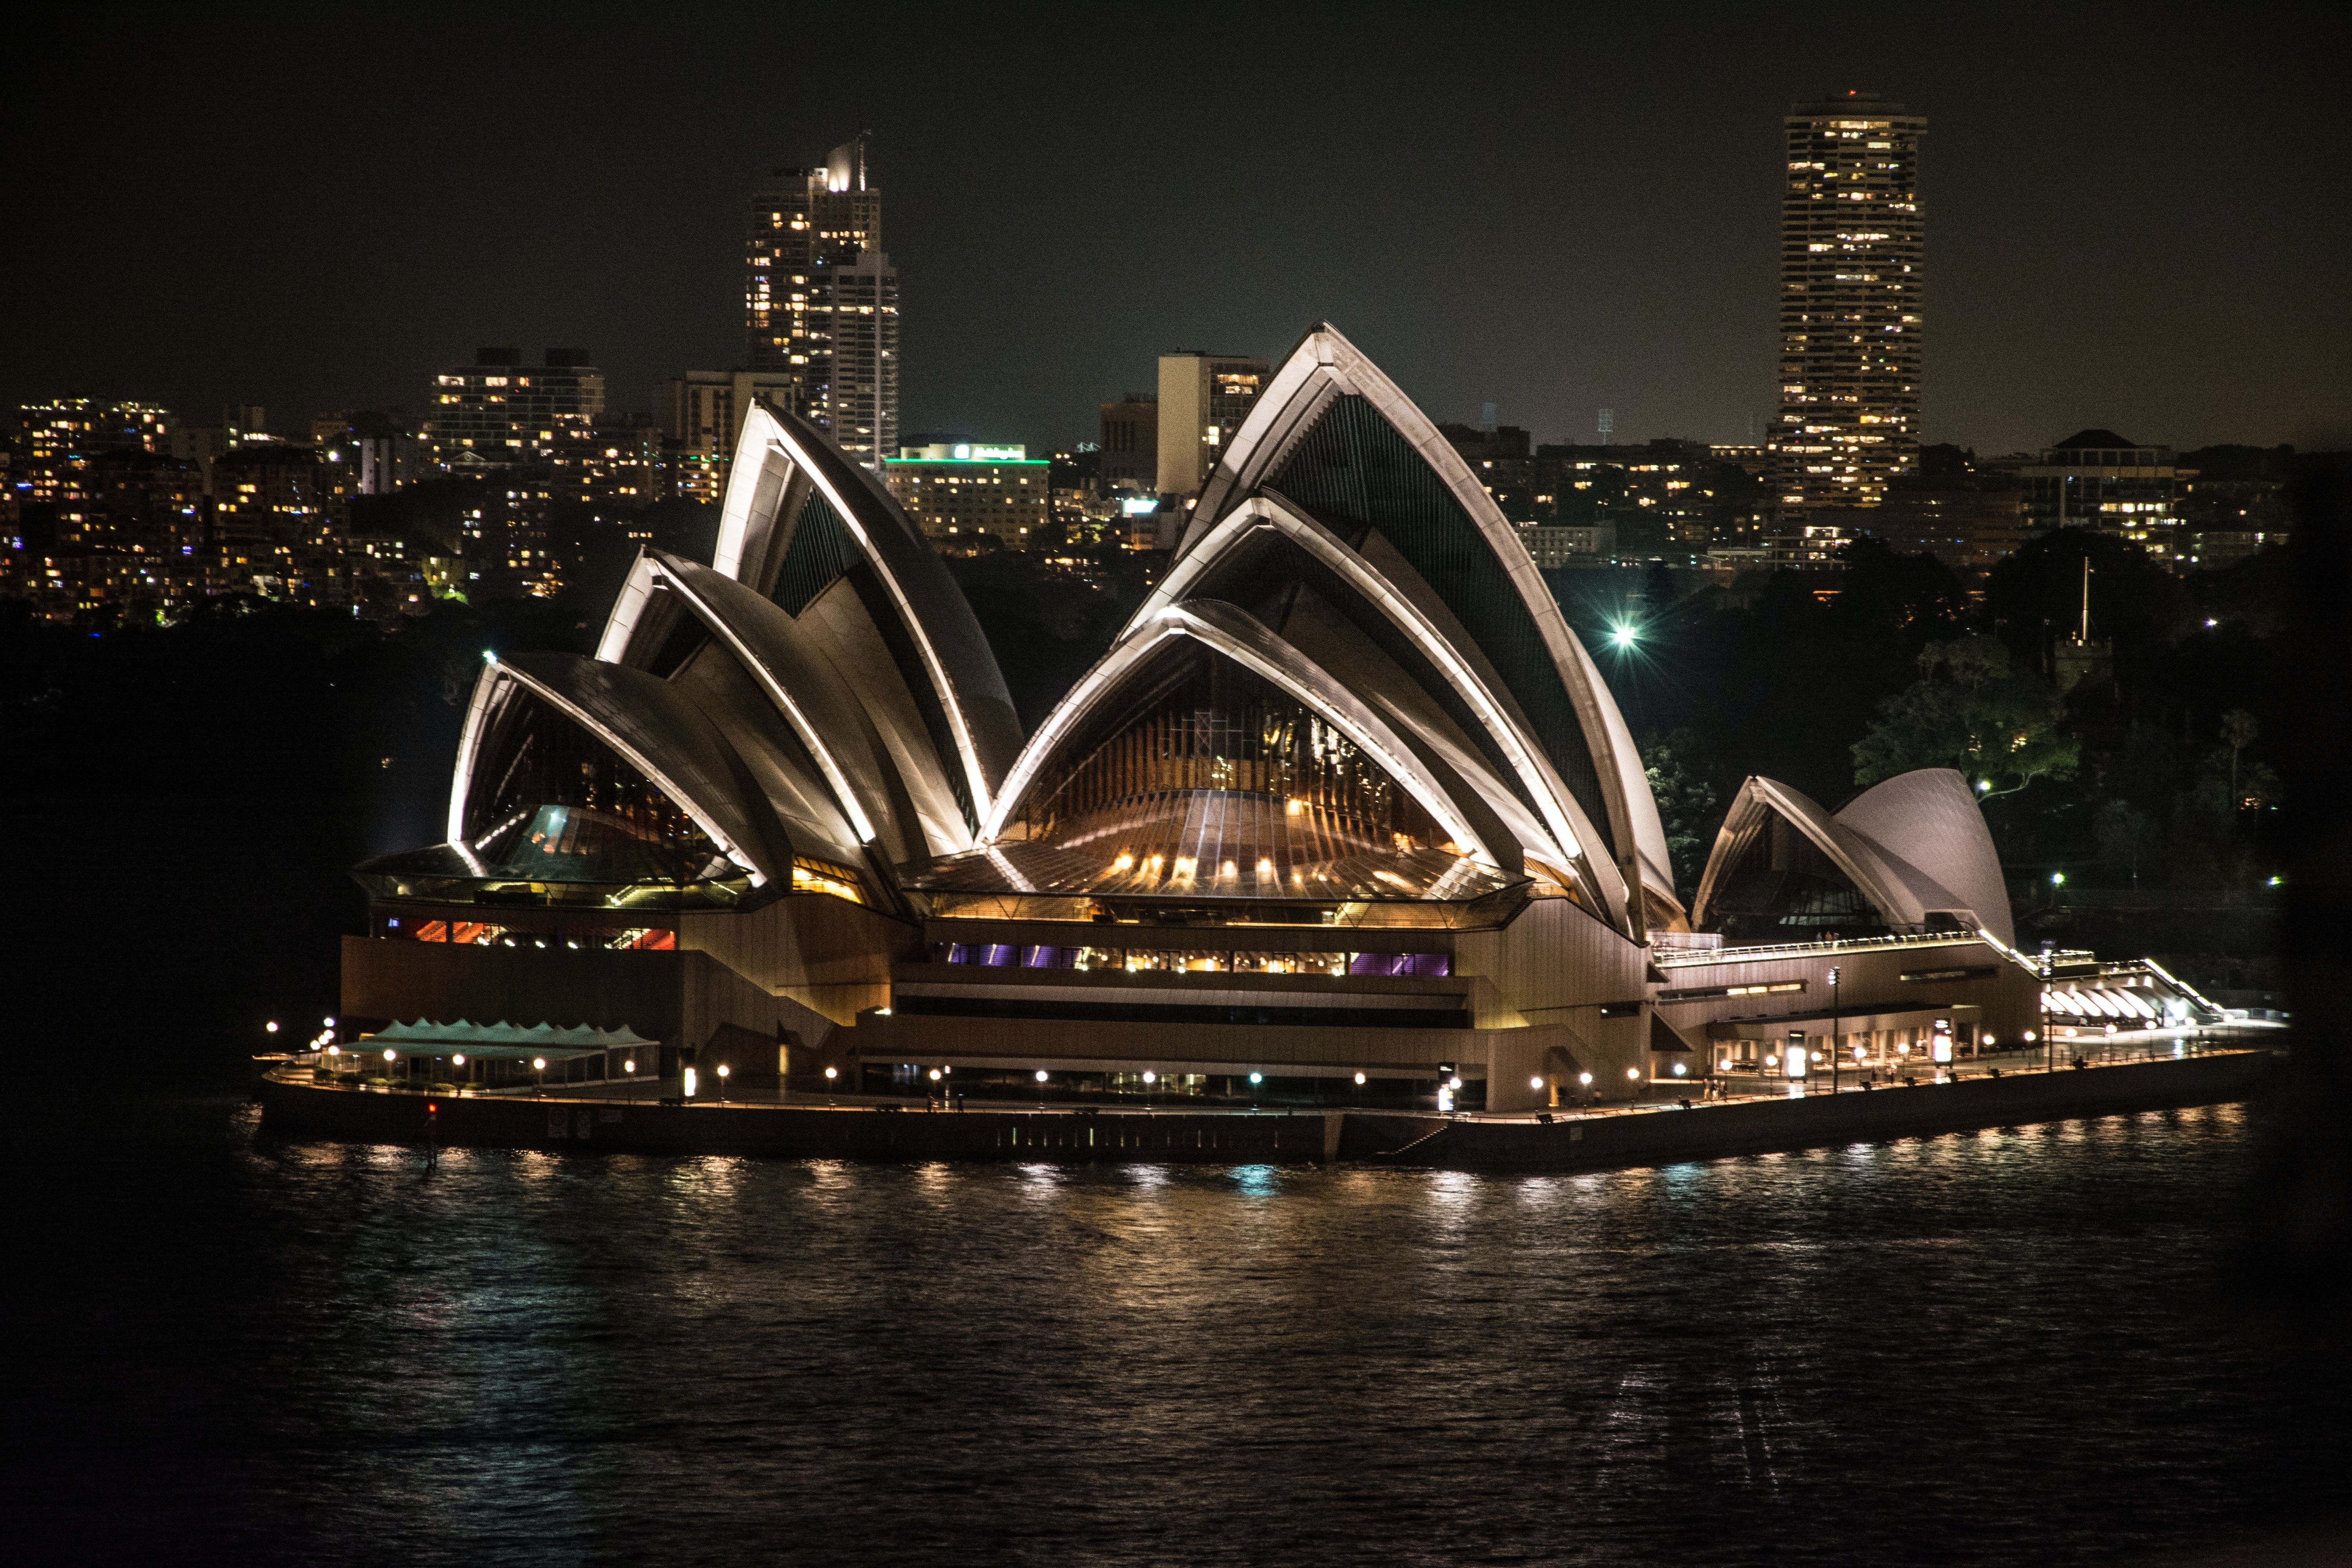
(961, 494)
(1852, 239)
(498, 410)
(2096, 478)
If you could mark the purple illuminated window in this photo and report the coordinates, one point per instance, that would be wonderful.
(1426, 963)
(1049, 957)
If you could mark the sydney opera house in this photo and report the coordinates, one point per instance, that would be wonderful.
(1345, 814)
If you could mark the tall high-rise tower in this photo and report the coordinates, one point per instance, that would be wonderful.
(821, 299)
(1851, 233)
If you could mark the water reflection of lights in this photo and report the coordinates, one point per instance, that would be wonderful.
(1255, 1179)
(1451, 1187)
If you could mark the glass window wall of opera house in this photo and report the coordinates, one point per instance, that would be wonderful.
(1346, 814)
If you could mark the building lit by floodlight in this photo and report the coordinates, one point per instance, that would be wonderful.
(1345, 814)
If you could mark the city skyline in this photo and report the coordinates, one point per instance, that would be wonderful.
(1583, 218)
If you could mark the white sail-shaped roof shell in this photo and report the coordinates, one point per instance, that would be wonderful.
(1325, 367)
(1916, 846)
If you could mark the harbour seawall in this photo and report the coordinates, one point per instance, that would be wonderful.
(1708, 1132)
(792, 1131)
(1664, 1136)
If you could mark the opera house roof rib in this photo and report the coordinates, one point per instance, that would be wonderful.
(1910, 854)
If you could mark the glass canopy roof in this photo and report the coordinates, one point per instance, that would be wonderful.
(562, 845)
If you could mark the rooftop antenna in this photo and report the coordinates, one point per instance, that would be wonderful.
(1608, 425)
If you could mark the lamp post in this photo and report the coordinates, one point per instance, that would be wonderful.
(1837, 1040)
(629, 1067)
(723, 1071)
(539, 1066)
(2042, 1008)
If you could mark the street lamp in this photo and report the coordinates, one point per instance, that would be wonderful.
(723, 1071)
(1835, 971)
(539, 1066)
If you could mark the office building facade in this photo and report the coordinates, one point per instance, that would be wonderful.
(2096, 478)
(498, 410)
(1131, 443)
(1851, 305)
(700, 417)
(967, 497)
(1204, 399)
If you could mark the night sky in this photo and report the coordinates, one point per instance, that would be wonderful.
(2136, 218)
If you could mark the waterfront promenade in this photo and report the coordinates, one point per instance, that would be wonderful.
(2130, 1075)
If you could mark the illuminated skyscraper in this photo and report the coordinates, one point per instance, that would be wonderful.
(1851, 234)
(820, 301)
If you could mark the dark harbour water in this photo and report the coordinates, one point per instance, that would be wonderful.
(2015, 1347)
